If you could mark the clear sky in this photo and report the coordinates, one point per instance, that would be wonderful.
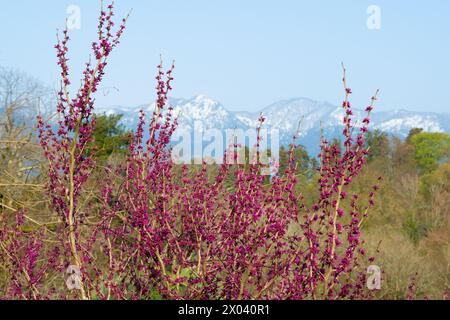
(249, 53)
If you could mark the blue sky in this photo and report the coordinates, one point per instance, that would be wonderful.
(248, 54)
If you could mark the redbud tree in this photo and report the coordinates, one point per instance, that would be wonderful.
(156, 229)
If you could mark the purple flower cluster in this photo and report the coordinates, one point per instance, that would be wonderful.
(192, 234)
(70, 160)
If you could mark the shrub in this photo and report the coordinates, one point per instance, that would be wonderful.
(161, 231)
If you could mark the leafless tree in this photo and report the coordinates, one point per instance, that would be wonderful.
(21, 99)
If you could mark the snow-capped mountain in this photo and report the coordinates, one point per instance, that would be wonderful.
(211, 113)
(284, 115)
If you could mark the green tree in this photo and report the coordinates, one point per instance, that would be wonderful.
(109, 136)
(431, 149)
(412, 133)
(378, 142)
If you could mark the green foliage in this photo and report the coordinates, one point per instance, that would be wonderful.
(412, 228)
(412, 133)
(431, 149)
(378, 142)
(155, 295)
(109, 136)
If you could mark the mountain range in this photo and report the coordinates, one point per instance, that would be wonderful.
(284, 115)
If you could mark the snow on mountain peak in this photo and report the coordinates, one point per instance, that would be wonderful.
(284, 115)
(425, 122)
